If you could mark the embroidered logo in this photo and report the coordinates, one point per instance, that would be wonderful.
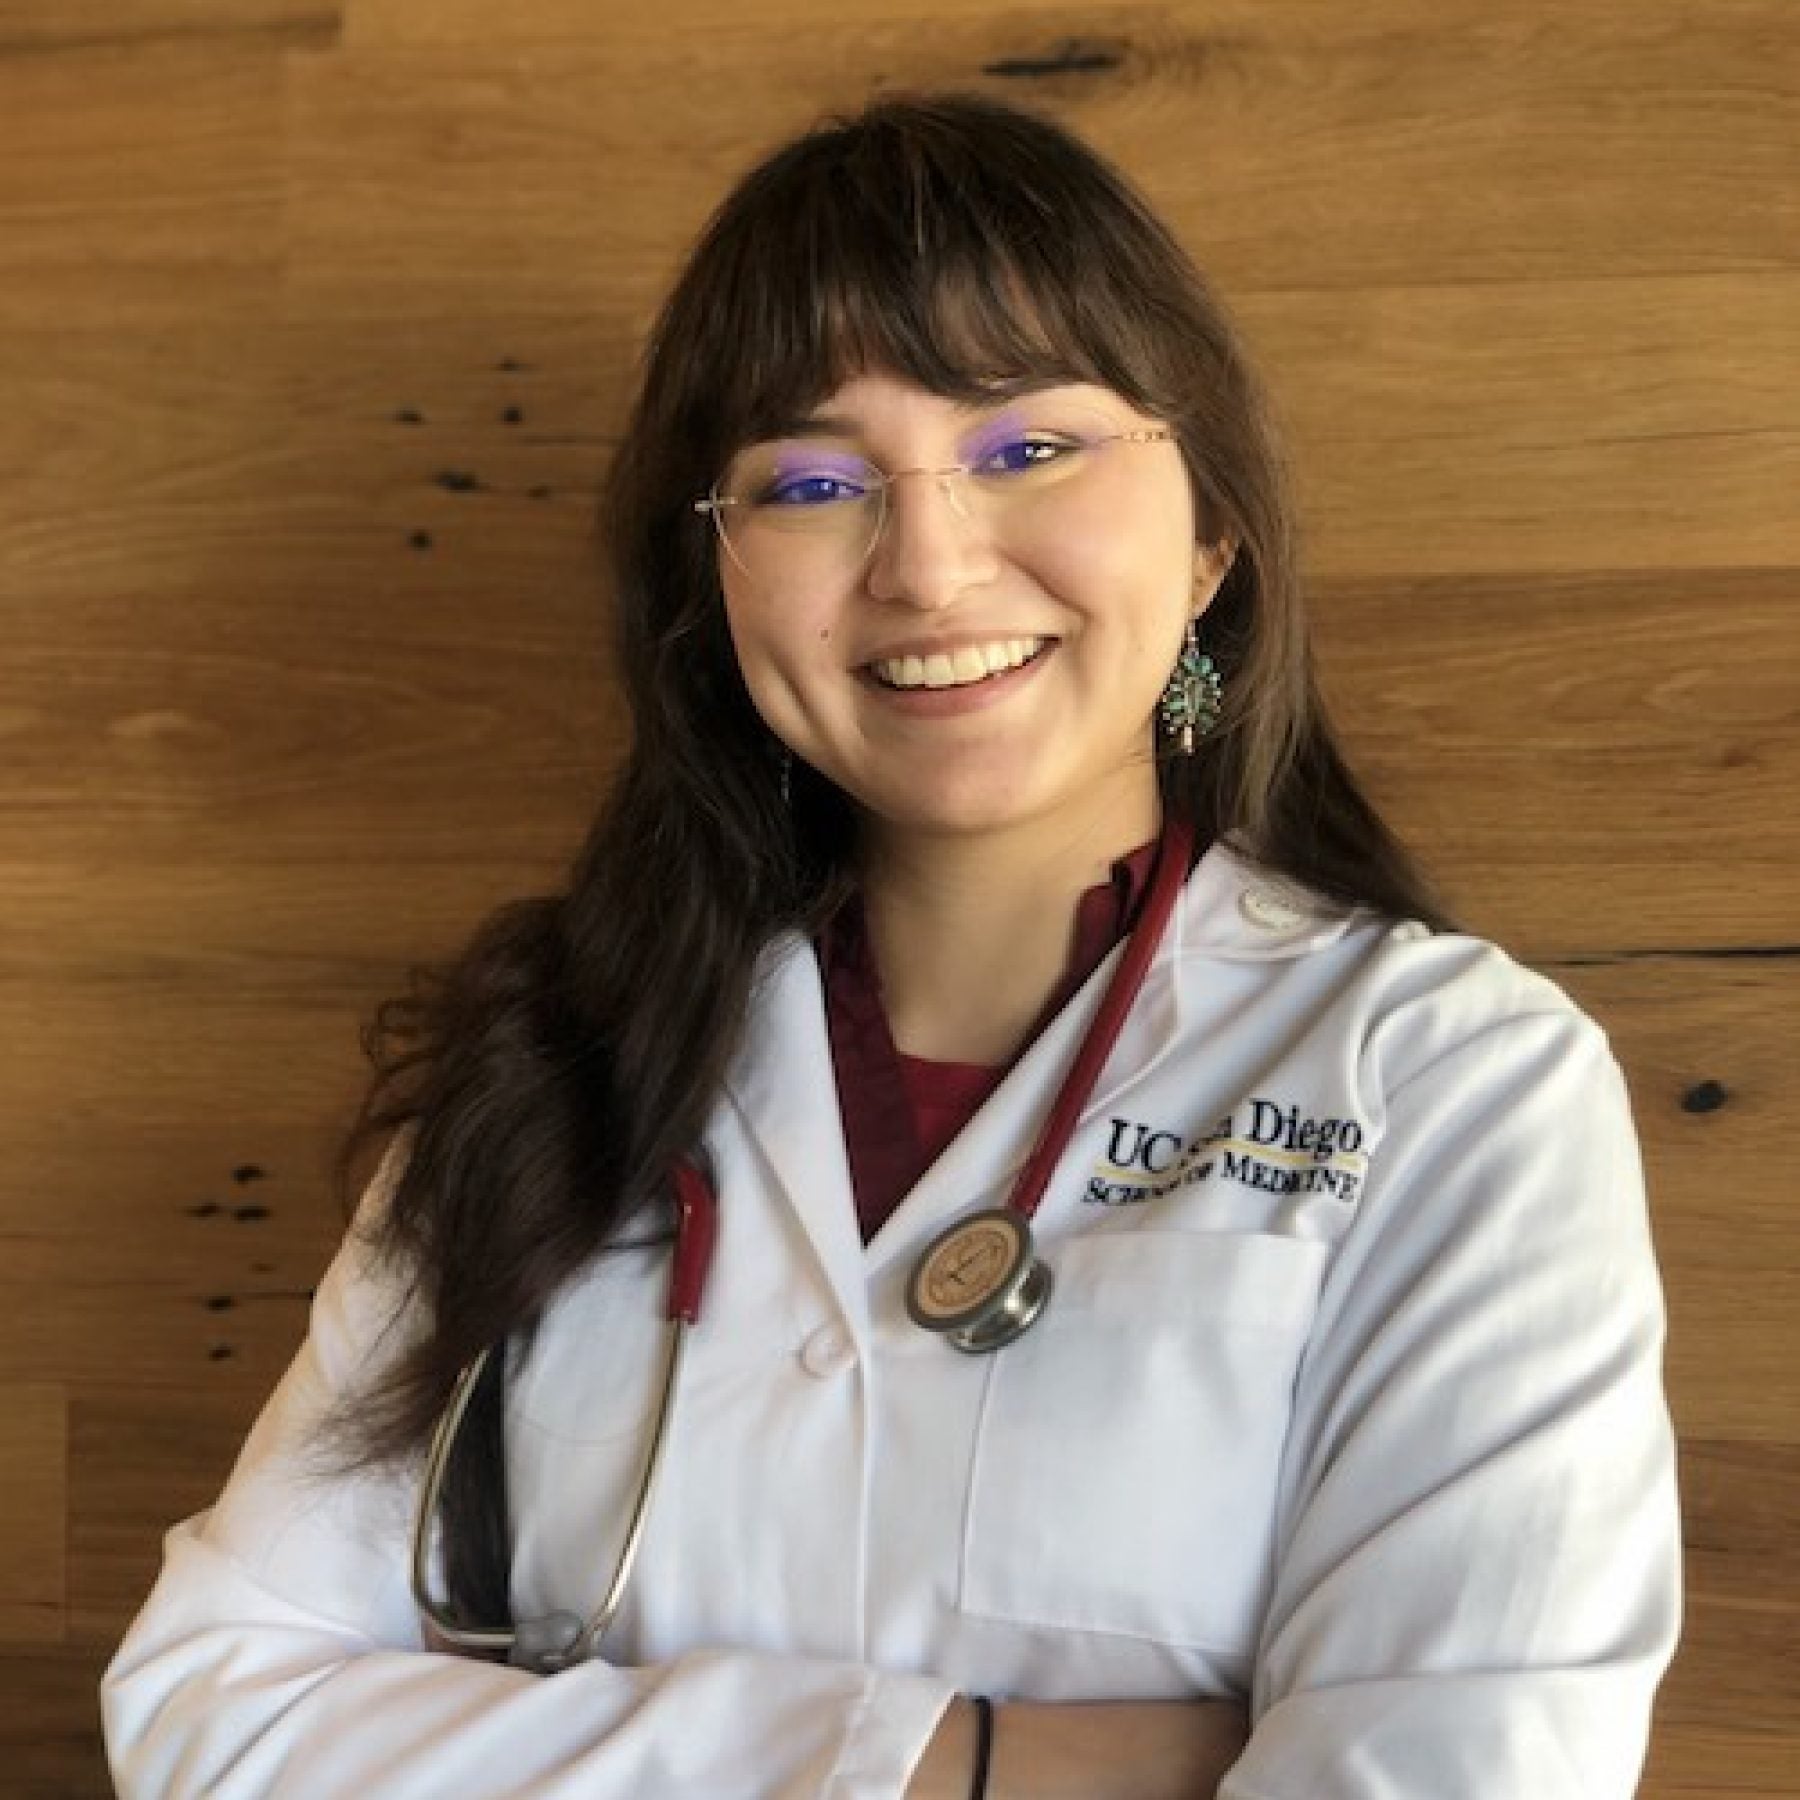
(1269, 1145)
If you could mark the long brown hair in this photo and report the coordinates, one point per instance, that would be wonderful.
(548, 1077)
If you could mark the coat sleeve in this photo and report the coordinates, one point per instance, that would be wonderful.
(1477, 1585)
(279, 1655)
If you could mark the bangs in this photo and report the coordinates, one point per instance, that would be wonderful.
(917, 260)
(952, 316)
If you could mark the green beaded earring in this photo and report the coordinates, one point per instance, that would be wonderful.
(1191, 702)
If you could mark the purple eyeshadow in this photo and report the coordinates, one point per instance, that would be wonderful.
(1003, 430)
(990, 436)
(816, 463)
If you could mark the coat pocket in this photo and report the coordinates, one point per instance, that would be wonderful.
(1129, 1446)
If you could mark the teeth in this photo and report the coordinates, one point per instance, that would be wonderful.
(973, 663)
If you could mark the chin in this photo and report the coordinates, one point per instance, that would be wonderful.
(959, 810)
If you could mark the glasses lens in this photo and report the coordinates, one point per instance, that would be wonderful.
(791, 507)
(796, 509)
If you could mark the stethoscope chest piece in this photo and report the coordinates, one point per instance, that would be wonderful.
(979, 1282)
(546, 1646)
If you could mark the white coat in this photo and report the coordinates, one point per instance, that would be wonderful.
(1347, 1404)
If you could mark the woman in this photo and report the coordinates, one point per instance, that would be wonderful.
(975, 722)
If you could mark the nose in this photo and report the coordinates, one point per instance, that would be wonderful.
(930, 542)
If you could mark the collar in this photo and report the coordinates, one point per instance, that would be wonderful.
(1104, 913)
(1235, 908)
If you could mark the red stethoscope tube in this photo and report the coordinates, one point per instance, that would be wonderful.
(697, 1207)
(1078, 1085)
(696, 1234)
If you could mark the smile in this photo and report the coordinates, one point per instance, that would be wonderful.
(972, 663)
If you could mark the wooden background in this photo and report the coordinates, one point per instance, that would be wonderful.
(316, 322)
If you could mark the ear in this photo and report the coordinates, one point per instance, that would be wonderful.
(1212, 563)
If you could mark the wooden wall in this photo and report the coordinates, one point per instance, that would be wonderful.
(316, 322)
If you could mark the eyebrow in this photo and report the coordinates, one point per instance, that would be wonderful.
(997, 393)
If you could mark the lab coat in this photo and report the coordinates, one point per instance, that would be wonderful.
(1347, 1404)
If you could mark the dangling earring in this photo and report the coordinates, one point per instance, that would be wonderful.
(787, 776)
(1192, 700)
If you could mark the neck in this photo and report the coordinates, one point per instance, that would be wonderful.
(971, 933)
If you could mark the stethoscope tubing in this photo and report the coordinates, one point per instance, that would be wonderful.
(443, 1442)
(696, 1236)
(1084, 1072)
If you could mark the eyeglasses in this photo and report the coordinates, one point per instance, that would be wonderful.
(792, 509)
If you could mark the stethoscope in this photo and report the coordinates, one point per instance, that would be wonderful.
(979, 1284)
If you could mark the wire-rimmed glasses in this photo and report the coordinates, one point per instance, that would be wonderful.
(798, 508)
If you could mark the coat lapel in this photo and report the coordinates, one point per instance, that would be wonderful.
(785, 1090)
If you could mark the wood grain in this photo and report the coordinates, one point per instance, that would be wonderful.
(34, 1508)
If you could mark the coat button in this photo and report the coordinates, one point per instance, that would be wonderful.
(827, 1352)
(1268, 910)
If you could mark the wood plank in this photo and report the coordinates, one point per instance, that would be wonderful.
(267, 751)
(561, 24)
(34, 1452)
(50, 1724)
(1737, 1504)
(1712, 1063)
(199, 1209)
(229, 1059)
(1600, 764)
(279, 452)
(322, 935)
(156, 197)
(1711, 1762)
(1735, 1684)
(137, 24)
(1304, 145)
(140, 1459)
(170, 1337)
(1613, 424)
